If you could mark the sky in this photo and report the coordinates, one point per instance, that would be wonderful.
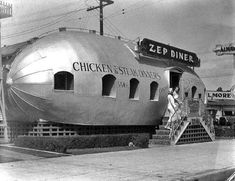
(193, 25)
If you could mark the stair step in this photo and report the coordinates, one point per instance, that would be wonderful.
(193, 141)
(162, 127)
(164, 120)
(161, 137)
(163, 132)
(160, 142)
(194, 137)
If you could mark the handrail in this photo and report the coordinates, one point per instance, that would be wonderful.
(178, 122)
(185, 113)
(207, 119)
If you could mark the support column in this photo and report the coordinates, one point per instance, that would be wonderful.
(5, 11)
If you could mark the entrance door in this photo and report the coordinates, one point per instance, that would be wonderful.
(175, 78)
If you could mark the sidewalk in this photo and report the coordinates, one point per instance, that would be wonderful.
(155, 163)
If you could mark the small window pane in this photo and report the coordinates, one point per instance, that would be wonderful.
(199, 96)
(63, 81)
(134, 92)
(108, 86)
(154, 91)
(194, 90)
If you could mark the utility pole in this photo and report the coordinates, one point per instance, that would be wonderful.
(5, 11)
(101, 5)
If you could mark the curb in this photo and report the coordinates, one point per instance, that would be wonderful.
(33, 150)
(216, 175)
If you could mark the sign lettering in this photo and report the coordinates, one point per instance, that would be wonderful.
(156, 49)
(122, 84)
(228, 49)
(215, 95)
(114, 69)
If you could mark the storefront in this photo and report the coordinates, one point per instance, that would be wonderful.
(221, 105)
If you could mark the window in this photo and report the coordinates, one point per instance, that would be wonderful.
(199, 96)
(154, 91)
(194, 89)
(228, 113)
(134, 89)
(108, 86)
(63, 81)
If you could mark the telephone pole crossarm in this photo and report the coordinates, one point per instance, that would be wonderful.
(108, 2)
(101, 5)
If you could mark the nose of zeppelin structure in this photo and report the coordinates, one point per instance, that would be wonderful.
(28, 82)
(30, 79)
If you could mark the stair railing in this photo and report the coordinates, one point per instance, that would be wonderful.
(208, 121)
(207, 118)
(178, 122)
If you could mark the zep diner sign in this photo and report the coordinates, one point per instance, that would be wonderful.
(155, 49)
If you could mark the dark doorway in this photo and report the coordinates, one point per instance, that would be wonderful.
(174, 79)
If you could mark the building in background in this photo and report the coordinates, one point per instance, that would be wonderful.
(221, 105)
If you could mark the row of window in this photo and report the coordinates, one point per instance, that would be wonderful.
(109, 88)
(65, 81)
(194, 90)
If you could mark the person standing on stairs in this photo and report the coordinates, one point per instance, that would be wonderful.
(178, 103)
(176, 94)
(170, 107)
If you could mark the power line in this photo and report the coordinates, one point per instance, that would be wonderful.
(48, 9)
(125, 10)
(122, 10)
(38, 19)
(109, 24)
(112, 26)
(41, 26)
(116, 28)
(102, 4)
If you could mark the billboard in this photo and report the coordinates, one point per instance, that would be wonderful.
(227, 49)
(220, 95)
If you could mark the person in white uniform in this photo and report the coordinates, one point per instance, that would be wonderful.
(170, 107)
(178, 103)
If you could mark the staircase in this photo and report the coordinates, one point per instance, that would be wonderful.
(187, 130)
(193, 127)
(1, 126)
(162, 134)
(2, 130)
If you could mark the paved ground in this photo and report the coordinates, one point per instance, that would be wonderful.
(155, 163)
(10, 153)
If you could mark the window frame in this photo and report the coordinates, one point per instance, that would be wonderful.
(135, 86)
(66, 83)
(112, 88)
(156, 92)
(193, 93)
